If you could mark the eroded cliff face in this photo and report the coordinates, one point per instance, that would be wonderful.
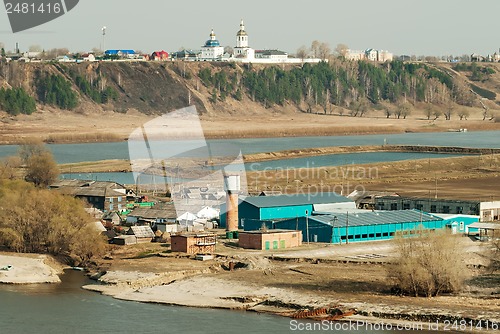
(150, 88)
(230, 89)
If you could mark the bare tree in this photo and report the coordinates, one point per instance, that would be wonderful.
(388, 112)
(302, 52)
(315, 45)
(9, 167)
(448, 112)
(437, 113)
(35, 48)
(403, 109)
(495, 256)
(429, 111)
(29, 148)
(324, 51)
(359, 108)
(342, 50)
(428, 264)
(463, 114)
(41, 169)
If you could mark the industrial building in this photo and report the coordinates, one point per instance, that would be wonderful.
(458, 224)
(358, 226)
(192, 243)
(264, 208)
(270, 239)
(489, 211)
(431, 205)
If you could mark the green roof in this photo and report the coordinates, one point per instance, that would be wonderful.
(295, 200)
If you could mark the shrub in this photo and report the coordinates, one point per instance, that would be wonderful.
(428, 264)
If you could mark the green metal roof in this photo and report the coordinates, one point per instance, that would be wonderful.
(376, 218)
(295, 199)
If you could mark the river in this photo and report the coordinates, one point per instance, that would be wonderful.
(329, 160)
(68, 153)
(66, 308)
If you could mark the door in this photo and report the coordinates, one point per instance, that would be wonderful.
(268, 244)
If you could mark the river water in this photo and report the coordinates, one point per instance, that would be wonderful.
(68, 153)
(329, 160)
(66, 308)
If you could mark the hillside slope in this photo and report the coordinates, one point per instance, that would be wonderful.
(112, 98)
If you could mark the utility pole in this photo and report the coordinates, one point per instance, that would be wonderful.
(347, 228)
(436, 196)
(307, 227)
(103, 39)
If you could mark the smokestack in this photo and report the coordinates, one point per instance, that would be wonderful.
(232, 188)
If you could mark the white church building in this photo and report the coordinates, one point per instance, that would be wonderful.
(245, 54)
(242, 50)
(212, 50)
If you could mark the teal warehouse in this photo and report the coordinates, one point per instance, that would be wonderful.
(359, 225)
(263, 208)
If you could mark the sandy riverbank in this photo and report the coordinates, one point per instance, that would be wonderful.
(69, 127)
(320, 278)
(29, 269)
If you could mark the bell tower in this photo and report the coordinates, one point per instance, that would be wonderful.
(242, 37)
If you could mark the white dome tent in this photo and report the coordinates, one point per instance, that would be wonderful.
(208, 213)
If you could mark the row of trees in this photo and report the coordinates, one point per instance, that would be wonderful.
(348, 84)
(54, 90)
(16, 101)
(34, 219)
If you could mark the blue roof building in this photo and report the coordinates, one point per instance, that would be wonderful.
(119, 52)
(359, 226)
(212, 50)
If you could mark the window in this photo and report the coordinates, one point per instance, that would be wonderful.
(419, 207)
(111, 200)
(394, 206)
(446, 209)
(111, 207)
(119, 198)
(378, 235)
(433, 208)
(371, 235)
(406, 206)
(364, 236)
(119, 207)
(460, 209)
(385, 234)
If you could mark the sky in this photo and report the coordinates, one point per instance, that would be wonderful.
(423, 27)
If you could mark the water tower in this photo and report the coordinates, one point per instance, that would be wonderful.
(232, 189)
